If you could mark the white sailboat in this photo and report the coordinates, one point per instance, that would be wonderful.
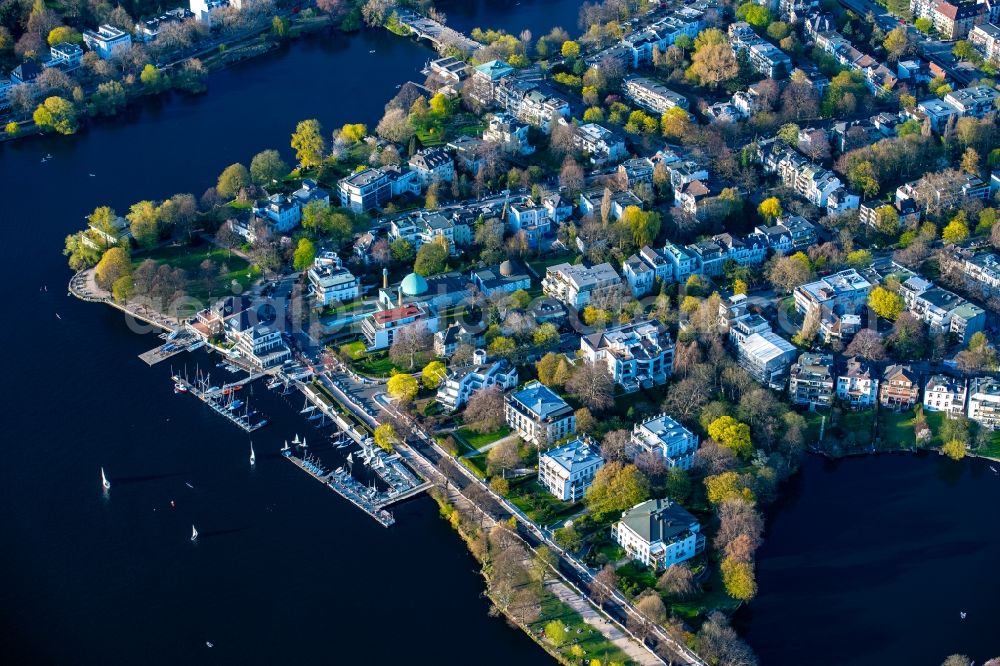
(104, 480)
(296, 441)
(285, 447)
(194, 533)
(253, 458)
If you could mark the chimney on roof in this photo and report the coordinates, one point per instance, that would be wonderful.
(385, 278)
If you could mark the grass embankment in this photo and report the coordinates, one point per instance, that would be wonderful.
(583, 643)
(371, 364)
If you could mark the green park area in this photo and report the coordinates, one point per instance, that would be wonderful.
(563, 630)
(209, 272)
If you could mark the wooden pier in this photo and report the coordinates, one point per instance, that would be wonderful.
(212, 399)
(344, 485)
(170, 349)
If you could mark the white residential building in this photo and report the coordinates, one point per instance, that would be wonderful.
(637, 355)
(659, 533)
(383, 327)
(985, 270)
(652, 95)
(283, 213)
(310, 191)
(575, 284)
(857, 386)
(433, 165)
(811, 382)
(510, 133)
(600, 143)
(534, 220)
(526, 102)
(667, 438)
(975, 101)
(107, 40)
(945, 394)
(942, 310)
(643, 269)
(761, 351)
(984, 402)
(460, 383)
(331, 282)
(203, 9)
(568, 470)
(538, 414)
(845, 292)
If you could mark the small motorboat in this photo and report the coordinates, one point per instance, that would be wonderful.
(210, 644)
(962, 614)
(194, 533)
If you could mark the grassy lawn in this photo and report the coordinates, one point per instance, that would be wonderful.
(993, 449)
(189, 259)
(584, 643)
(476, 463)
(378, 364)
(476, 440)
(353, 350)
(712, 596)
(540, 505)
(633, 578)
(896, 430)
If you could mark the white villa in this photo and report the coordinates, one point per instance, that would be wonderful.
(575, 284)
(538, 414)
(460, 383)
(667, 438)
(330, 281)
(568, 470)
(637, 355)
(659, 533)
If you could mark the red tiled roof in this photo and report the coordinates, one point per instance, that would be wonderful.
(386, 316)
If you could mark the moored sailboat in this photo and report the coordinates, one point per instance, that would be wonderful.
(253, 457)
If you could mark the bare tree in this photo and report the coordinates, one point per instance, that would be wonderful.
(605, 584)
(714, 458)
(718, 643)
(485, 411)
(678, 581)
(593, 385)
(409, 343)
(867, 344)
(685, 399)
(738, 517)
(616, 445)
(503, 457)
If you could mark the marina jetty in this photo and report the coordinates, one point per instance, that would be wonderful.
(176, 342)
(401, 482)
(341, 482)
(223, 400)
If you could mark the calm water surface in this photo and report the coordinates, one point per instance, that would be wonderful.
(869, 561)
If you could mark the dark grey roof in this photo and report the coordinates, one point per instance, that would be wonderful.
(659, 520)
